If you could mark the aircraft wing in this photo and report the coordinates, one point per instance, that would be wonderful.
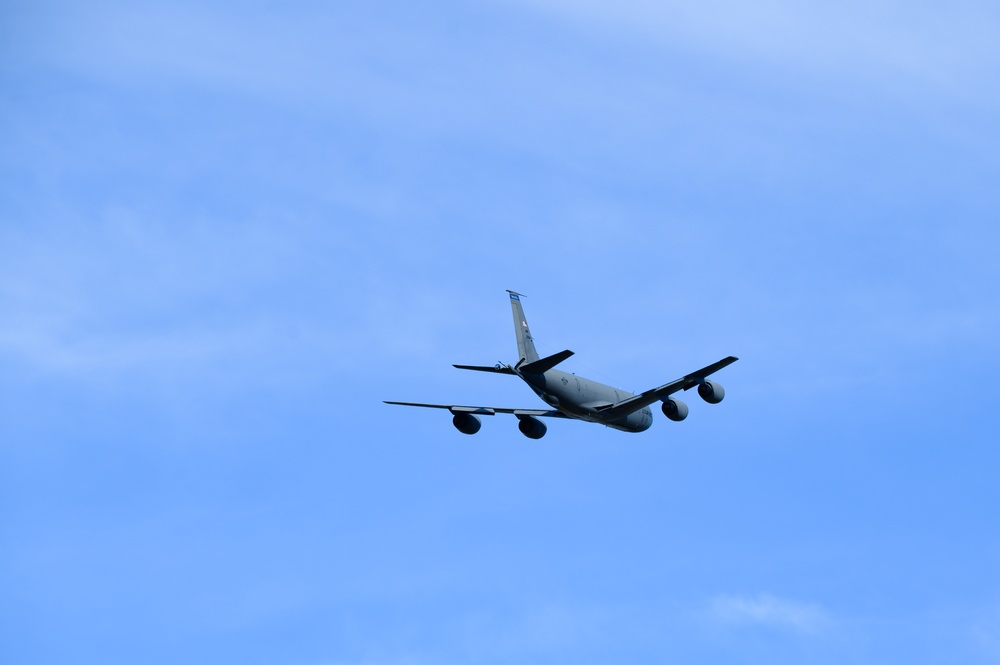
(487, 410)
(686, 382)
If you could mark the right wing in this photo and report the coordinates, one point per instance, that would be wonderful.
(486, 410)
(686, 382)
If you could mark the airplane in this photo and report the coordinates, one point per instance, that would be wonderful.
(575, 397)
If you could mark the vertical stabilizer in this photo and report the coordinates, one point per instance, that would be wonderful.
(525, 344)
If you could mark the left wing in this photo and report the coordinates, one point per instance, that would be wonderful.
(686, 382)
(486, 410)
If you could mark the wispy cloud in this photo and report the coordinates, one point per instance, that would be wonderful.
(927, 40)
(987, 635)
(771, 612)
(129, 294)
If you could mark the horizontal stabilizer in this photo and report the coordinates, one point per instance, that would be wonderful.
(545, 364)
(497, 369)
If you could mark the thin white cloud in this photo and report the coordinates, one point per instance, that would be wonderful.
(987, 635)
(336, 55)
(771, 612)
(128, 296)
(947, 45)
(214, 300)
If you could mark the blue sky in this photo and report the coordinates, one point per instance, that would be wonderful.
(228, 231)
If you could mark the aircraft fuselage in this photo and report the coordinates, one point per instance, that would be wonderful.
(578, 397)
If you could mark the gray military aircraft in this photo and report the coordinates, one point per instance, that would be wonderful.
(573, 396)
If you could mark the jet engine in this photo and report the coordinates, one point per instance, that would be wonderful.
(711, 392)
(466, 423)
(675, 409)
(532, 428)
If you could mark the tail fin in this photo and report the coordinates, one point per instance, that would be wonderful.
(525, 344)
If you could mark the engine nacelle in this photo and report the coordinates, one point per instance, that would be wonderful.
(466, 423)
(533, 428)
(674, 409)
(711, 392)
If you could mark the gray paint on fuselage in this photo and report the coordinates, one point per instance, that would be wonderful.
(579, 397)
